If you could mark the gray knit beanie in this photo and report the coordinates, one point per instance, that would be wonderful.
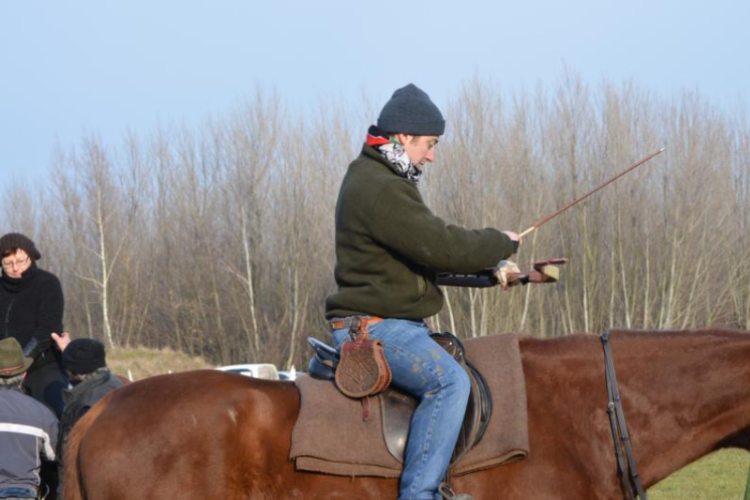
(410, 111)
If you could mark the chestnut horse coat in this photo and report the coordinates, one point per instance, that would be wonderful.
(210, 435)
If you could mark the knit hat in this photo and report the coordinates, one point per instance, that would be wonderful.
(410, 111)
(84, 356)
(12, 361)
(18, 240)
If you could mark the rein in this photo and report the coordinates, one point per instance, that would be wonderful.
(619, 427)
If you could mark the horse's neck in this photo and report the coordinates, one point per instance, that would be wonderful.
(685, 395)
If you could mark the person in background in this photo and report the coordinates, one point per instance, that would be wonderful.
(28, 429)
(389, 250)
(84, 361)
(31, 308)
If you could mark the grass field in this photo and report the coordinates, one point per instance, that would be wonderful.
(719, 476)
(139, 362)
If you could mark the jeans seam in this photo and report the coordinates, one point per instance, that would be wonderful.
(415, 359)
(428, 440)
(438, 385)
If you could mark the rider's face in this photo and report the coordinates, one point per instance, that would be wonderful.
(16, 264)
(420, 148)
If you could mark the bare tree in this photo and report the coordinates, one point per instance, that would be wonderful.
(219, 240)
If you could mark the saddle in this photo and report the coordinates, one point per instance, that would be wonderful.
(398, 407)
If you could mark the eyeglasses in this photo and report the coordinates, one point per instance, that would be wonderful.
(15, 263)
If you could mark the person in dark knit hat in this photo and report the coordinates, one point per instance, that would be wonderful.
(390, 248)
(28, 429)
(31, 306)
(85, 363)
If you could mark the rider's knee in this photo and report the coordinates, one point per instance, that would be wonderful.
(459, 380)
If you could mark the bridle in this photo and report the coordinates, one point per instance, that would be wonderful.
(619, 427)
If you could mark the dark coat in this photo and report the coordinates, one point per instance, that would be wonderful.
(80, 398)
(32, 307)
(390, 246)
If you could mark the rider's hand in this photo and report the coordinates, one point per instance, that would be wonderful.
(61, 340)
(502, 271)
(514, 239)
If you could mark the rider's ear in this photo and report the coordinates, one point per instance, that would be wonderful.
(401, 139)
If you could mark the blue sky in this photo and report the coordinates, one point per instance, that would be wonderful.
(79, 67)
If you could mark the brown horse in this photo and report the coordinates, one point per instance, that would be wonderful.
(210, 435)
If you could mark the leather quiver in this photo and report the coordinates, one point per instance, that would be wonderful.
(363, 370)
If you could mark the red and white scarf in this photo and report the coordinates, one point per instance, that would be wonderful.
(394, 152)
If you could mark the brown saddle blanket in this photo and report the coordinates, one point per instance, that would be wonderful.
(330, 435)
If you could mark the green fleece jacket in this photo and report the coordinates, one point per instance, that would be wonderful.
(390, 246)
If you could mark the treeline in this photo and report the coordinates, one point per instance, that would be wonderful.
(218, 241)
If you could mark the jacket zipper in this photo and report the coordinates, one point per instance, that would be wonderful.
(7, 316)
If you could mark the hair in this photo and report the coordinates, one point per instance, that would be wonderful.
(414, 137)
(13, 383)
(77, 378)
(10, 251)
(13, 251)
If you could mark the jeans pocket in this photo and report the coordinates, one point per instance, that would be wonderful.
(339, 336)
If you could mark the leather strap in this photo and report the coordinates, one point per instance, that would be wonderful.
(619, 427)
(362, 322)
(365, 408)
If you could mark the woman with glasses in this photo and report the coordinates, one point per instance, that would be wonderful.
(31, 308)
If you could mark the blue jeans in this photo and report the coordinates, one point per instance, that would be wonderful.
(425, 370)
(15, 492)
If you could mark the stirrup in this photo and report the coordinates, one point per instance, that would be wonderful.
(447, 493)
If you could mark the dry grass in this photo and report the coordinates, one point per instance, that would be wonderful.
(140, 362)
(718, 476)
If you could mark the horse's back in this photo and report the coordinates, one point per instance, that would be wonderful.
(208, 434)
(189, 432)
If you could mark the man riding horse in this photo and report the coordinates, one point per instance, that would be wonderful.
(390, 248)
